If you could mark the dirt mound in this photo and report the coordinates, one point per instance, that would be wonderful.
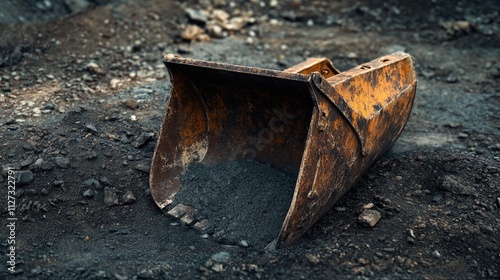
(245, 201)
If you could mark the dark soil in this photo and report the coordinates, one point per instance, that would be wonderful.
(82, 98)
(223, 192)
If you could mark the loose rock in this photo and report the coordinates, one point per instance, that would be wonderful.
(486, 229)
(143, 167)
(221, 257)
(47, 165)
(131, 103)
(145, 274)
(143, 139)
(369, 218)
(92, 183)
(194, 32)
(105, 180)
(198, 16)
(129, 197)
(89, 193)
(456, 185)
(110, 197)
(91, 128)
(94, 68)
(62, 162)
(24, 178)
(463, 135)
(49, 106)
(26, 162)
(313, 258)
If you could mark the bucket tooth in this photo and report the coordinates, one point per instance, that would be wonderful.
(183, 213)
(328, 127)
(201, 225)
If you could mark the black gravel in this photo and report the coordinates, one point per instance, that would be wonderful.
(245, 201)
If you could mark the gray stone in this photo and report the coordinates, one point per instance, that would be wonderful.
(143, 167)
(62, 162)
(145, 274)
(91, 128)
(437, 198)
(58, 183)
(196, 15)
(120, 277)
(101, 274)
(26, 162)
(7, 168)
(89, 193)
(49, 106)
(129, 197)
(143, 139)
(76, 6)
(47, 165)
(456, 185)
(105, 180)
(221, 257)
(369, 218)
(94, 68)
(24, 178)
(271, 247)
(486, 229)
(131, 103)
(37, 164)
(110, 197)
(92, 183)
(463, 135)
(436, 253)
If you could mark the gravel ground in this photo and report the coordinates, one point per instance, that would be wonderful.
(82, 96)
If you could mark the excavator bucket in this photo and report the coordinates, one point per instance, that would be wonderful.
(323, 126)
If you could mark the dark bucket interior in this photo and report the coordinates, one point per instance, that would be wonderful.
(217, 116)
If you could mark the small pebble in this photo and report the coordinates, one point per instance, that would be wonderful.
(24, 178)
(369, 218)
(463, 135)
(221, 257)
(131, 103)
(143, 167)
(143, 139)
(91, 128)
(145, 273)
(110, 197)
(89, 193)
(62, 162)
(129, 197)
(94, 68)
(92, 183)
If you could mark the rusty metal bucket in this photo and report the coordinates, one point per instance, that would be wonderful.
(324, 126)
